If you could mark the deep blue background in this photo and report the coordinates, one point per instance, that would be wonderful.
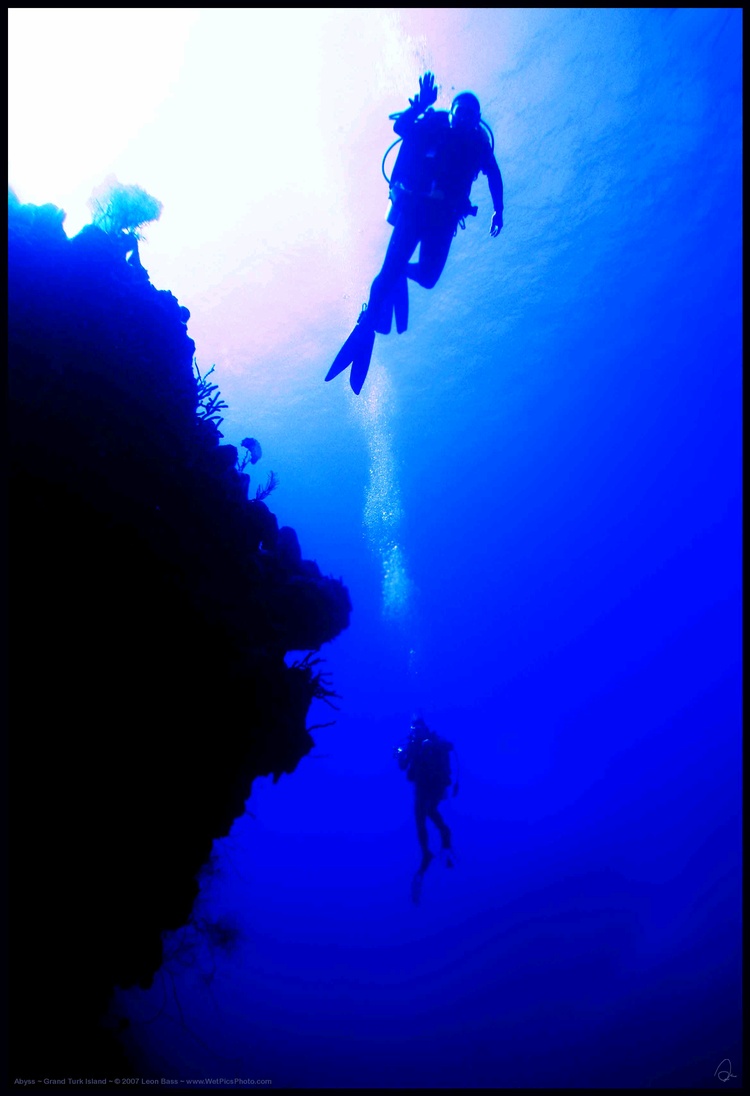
(536, 505)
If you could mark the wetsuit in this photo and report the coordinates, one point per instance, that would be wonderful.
(431, 187)
(430, 191)
(425, 759)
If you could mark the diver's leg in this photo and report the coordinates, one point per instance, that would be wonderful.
(377, 314)
(401, 246)
(445, 834)
(401, 304)
(420, 815)
(433, 254)
(436, 817)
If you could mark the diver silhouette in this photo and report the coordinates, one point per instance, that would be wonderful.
(431, 765)
(442, 153)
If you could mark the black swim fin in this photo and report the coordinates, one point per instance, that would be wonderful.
(382, 317)
(357, 352)
(396, 305)
(401, 304)
(346, 355)
(361, 363)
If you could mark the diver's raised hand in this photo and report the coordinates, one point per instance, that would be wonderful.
(427, 92)
(497, 224)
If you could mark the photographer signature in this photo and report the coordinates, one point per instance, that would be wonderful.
(722, 1073)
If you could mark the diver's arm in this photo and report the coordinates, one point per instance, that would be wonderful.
(424, 98)
(401, 753)
(406, 119)
(495, 180)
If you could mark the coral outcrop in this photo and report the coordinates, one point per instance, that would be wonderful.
(152, 605)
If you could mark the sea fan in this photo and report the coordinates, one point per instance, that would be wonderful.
(271, 483)
(253, 448)
(117, 208)
(253, 454)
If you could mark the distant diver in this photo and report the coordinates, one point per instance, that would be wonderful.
(431, 765)
(441, 154)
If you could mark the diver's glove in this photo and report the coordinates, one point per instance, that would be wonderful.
(427, 93)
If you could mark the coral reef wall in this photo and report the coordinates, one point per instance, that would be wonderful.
(152, 605)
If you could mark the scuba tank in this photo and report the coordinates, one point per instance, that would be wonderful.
(405, 175)
(396, 191)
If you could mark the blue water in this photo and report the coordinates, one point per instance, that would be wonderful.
(536, 506)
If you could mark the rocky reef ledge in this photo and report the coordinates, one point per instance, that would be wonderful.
(152, 605)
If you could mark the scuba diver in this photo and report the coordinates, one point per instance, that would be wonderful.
(431, 764)
(442, 153)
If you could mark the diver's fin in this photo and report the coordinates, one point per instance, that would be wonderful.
(345, 356)
(401, 304)
(418, 877)
(348, 351)
(362, 356)
(448, 858)
(382, 319)
(396, 304)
